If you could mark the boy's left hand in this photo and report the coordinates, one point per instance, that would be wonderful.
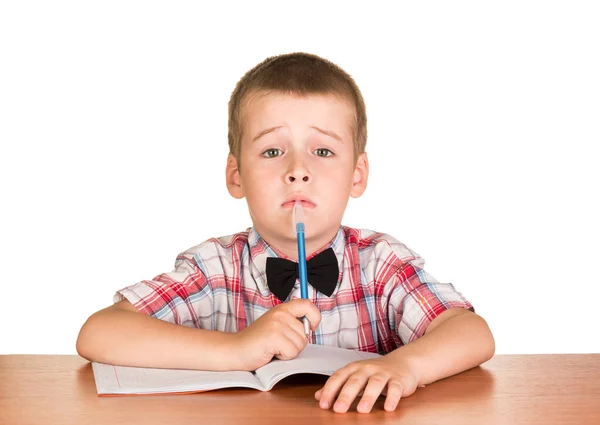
(371, 378)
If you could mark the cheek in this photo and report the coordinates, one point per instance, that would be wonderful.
(339, 179)
(338, 201)
(338, 189)
(256, 176)
(258, 188)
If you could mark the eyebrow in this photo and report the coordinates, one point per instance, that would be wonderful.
(329, 133)
(320, 130)
(265, 131)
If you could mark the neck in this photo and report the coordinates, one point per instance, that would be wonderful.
(289, 246)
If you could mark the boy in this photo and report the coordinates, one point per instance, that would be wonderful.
(297, 132)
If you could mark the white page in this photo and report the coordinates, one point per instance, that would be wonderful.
(135, 380)
(319, 359)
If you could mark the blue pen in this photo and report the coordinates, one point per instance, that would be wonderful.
(299, 224)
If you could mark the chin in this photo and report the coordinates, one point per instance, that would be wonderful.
(327, 231)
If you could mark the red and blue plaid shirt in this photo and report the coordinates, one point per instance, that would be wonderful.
(383, 299)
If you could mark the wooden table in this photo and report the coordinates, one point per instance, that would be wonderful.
(515, 389)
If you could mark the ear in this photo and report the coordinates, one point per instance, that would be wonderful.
(361, 175)
(233, 179)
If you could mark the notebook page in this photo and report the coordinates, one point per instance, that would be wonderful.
(319, 359)
(136, 380)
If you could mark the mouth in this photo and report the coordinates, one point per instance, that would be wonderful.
(305, 204)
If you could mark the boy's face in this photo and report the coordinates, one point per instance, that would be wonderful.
(297, 147)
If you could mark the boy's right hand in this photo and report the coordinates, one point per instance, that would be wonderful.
(277, 333)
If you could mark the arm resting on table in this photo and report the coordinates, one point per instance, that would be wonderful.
(121, 335)
(454, 341)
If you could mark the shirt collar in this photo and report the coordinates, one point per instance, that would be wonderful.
(260, 250)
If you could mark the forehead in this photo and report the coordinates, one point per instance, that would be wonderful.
(264, 110)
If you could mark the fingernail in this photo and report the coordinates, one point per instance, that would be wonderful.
(339, 406)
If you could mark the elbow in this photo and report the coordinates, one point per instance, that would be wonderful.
(81, 344)
(489, 344)
(84, 343)
(492, 346)
(490, 349)
(82, 350)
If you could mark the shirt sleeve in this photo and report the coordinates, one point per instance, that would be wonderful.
(416, 298)
(169, 296)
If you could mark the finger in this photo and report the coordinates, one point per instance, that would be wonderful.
(297, 335)
(355, 384)
(333, 386)
(375, 386)
(318, 394)
(301, 307)
(394, 394)
(282, 322)
(296, 326)
(288, 348)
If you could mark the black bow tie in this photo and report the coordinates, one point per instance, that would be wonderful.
(321, 270)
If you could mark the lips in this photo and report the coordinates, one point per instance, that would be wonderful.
(305, 204)
(291, 200)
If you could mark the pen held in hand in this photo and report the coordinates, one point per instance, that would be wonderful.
(299, 226)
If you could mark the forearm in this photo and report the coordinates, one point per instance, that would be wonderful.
(459, 343)
(128, 338)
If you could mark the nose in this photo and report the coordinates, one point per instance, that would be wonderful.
(298, 172)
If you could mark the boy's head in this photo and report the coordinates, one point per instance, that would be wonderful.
(299, 74)
(297, 130)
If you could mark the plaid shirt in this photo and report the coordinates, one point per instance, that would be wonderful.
(383, 299)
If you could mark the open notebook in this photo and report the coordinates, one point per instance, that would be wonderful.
(318, 359)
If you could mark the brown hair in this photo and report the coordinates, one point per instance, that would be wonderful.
(301, 74)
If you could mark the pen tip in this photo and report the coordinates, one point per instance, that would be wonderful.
(297, 215)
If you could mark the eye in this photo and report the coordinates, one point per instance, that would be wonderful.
(271, 153)
(323, 152)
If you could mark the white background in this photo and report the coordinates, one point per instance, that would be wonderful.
(484, 125)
